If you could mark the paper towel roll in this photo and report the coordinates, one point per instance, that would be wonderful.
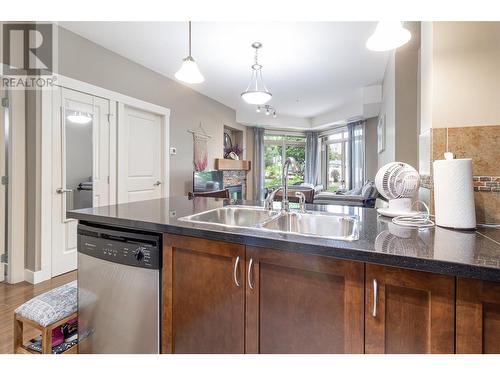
(454, 194)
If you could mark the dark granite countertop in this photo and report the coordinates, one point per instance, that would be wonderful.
(473, 254)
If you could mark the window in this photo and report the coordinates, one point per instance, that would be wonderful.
(337, 159)
(337, 162)
(276, 149)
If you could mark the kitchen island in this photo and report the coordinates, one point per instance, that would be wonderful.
(247, 290)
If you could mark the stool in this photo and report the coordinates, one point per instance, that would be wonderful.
(46, 312)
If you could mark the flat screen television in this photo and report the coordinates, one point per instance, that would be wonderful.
(207, 181)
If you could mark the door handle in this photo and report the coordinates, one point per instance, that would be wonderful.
(249, 276)
(375, 298)
(157, 183)
(63, 190)
(235, 271)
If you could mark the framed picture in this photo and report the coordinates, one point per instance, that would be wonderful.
(381, 133)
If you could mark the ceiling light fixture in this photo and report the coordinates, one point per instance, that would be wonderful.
(79, 118)
(269, 109)
(189, 71)
(388, 35)
(256, 92)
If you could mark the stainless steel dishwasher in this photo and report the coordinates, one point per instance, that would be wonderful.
(118, 290)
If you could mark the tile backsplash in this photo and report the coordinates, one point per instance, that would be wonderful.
(482, 145)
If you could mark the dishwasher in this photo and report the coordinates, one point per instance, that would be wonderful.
(118, 291)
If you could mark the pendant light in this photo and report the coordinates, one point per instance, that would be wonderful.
(189, 71)
(388, 35)
(256, 92)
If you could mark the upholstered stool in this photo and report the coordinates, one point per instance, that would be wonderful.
(46, 312)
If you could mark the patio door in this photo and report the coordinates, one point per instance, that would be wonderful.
(81, 167)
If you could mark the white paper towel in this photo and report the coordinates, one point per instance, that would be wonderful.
(454, 194)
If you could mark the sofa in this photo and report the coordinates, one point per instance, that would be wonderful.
(364, 196)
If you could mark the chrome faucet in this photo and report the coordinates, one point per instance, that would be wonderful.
(302, 201)
(289, 162)
(285, 204)
(270, 198)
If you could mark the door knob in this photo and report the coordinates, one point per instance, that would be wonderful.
(157, 183)
(63, 190)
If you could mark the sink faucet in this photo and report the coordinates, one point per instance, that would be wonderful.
(270, 198)
(289, 162)
(285, 205)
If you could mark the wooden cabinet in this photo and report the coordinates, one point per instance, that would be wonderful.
(298, 303)
(203, 296)
(220, 297)
(408, 311)
(478, 316)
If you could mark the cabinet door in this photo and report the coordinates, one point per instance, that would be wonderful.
(203, 296)
(408, 311)
(478, 316)
(303, 303)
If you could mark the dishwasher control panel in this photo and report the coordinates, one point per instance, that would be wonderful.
(123, 247)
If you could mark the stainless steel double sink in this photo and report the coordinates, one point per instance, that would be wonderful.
(313, 224)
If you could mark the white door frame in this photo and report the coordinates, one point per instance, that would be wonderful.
(47, 189)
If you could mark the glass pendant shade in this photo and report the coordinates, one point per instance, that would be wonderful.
(388, 35)
(256, 92)
(189, 71)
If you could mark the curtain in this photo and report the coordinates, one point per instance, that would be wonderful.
(312, 158)
(259, 168)
(356, 154)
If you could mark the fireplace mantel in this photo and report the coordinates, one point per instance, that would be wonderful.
(232, 165)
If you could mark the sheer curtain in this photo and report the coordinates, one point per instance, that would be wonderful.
(312, 158)
(356, 151)
(258, 167)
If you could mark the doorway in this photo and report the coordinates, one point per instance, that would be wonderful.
(81, 167)
(141, 155)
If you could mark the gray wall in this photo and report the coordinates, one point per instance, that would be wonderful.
(86, 61)
(371, 165)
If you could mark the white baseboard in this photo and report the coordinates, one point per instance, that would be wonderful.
(35, 277)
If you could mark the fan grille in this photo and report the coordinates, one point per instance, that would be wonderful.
(399, 180)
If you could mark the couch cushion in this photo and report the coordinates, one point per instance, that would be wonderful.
(367, 189)
(49, 307)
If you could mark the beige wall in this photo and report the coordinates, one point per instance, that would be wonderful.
(406, 85)
(81, 59)
(400, 103)
(388, 110)
(466, 71)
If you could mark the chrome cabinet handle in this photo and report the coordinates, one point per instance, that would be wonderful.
(157, 183)
(63, 190)
(235, 271)
(249, 276)
(375, 298)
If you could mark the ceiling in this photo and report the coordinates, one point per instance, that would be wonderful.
(311, 68)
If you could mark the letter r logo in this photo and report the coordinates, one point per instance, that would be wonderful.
(27, 49)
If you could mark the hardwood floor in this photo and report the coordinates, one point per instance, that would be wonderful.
(13, 295)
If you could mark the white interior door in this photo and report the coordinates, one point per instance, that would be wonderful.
(81, 167)
(3, 247)
(140, 153)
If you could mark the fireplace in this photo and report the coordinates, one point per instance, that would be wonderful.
(235, 191)
(235, 181)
